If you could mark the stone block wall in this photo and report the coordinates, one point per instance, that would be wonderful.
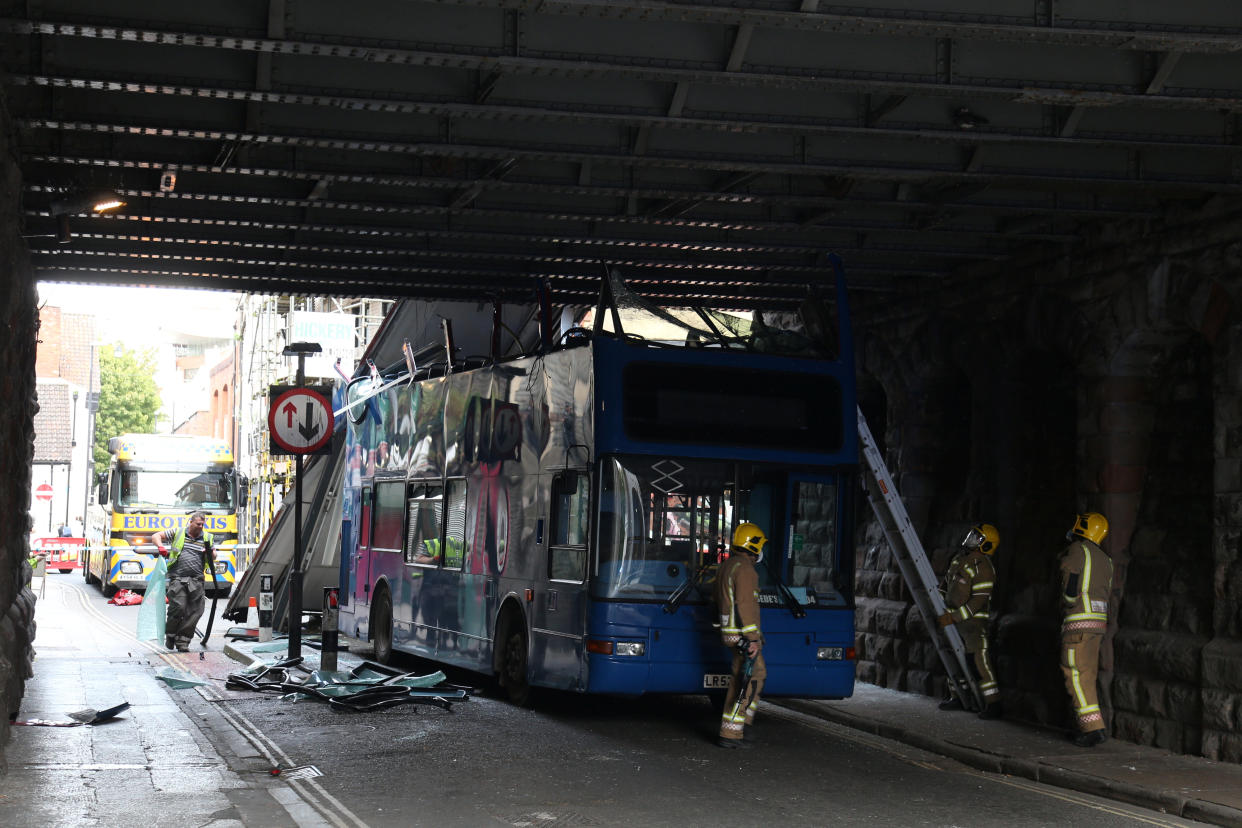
(1107, 379)
(17, 391)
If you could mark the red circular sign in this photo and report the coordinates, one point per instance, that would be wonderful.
(300, 420)
(44, 491)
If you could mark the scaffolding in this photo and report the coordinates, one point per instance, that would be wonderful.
(264, 323)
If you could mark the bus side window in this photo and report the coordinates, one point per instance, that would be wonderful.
(424, 511)
(455, 524)
(388, 515)
(364, 538)
(571, 496)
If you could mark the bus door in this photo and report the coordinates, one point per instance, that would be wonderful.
(560, 610)
(359, 562)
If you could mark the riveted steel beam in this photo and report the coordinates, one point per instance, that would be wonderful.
(475, 239)
(1036, 179)
(724, 194)
(590, 66)
(675, 120)
(403, 211)
(1139, 35)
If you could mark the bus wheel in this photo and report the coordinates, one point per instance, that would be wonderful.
(381, 627)
(513, 663)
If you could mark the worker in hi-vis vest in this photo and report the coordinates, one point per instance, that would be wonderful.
(1086, 582)
(967, 591)
(187, 550)
(737, 596)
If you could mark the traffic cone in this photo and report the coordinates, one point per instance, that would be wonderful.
(252, 614)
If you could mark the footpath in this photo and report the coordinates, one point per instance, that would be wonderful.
(1187, 786)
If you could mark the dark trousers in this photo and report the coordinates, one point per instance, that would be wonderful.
(185, 607)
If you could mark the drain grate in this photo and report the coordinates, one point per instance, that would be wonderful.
(300, 772)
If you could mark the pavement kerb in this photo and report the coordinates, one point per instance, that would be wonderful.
(1034, 770)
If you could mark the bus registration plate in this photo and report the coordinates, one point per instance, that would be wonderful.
(715, 681)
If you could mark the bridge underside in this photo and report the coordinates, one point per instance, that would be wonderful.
(712, 151)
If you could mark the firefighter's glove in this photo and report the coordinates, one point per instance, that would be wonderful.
(946, 620)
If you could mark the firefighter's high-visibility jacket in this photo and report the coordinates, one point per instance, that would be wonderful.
(1086, 582)
(967, 588)
(737, 596)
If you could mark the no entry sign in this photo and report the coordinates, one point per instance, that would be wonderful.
(300, 419)
(43, 492)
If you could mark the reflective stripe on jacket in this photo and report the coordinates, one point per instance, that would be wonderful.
(737, 596)
(967, 586)
(1086, 583)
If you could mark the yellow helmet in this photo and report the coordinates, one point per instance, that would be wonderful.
(983, 537)
(751, 538)
(1091, 525)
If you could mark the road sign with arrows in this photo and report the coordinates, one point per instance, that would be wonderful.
(300, 419)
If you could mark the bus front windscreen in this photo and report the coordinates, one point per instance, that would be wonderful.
(200, 489)
(661, 522)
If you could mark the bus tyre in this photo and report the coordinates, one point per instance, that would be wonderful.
(381, 627)
(512, 662)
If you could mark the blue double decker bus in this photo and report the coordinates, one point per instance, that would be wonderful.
(556, 519)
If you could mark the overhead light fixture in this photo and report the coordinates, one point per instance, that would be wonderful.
(85, 201)
(91, 201)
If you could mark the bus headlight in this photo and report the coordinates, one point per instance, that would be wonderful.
(221, 567)
(835, 653)
(131, 568)
(621, 648)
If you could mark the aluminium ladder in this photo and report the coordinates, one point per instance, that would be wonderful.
(915, 568)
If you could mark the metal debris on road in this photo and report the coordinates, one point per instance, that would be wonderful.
(89, 716)
(296, 772)
(179, 679)
(368, 686)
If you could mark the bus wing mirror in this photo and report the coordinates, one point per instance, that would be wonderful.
(102, 479)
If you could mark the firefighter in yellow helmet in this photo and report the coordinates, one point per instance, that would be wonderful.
(737, 596)
(967, 592)
(1086, 582)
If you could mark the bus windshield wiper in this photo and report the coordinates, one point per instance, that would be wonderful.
(790, 601)
(679, 595)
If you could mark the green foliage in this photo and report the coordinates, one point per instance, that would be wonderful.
(128, 397)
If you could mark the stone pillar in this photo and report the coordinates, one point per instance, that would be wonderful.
(17, 406)
(1221, 685)
(1115, 455)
